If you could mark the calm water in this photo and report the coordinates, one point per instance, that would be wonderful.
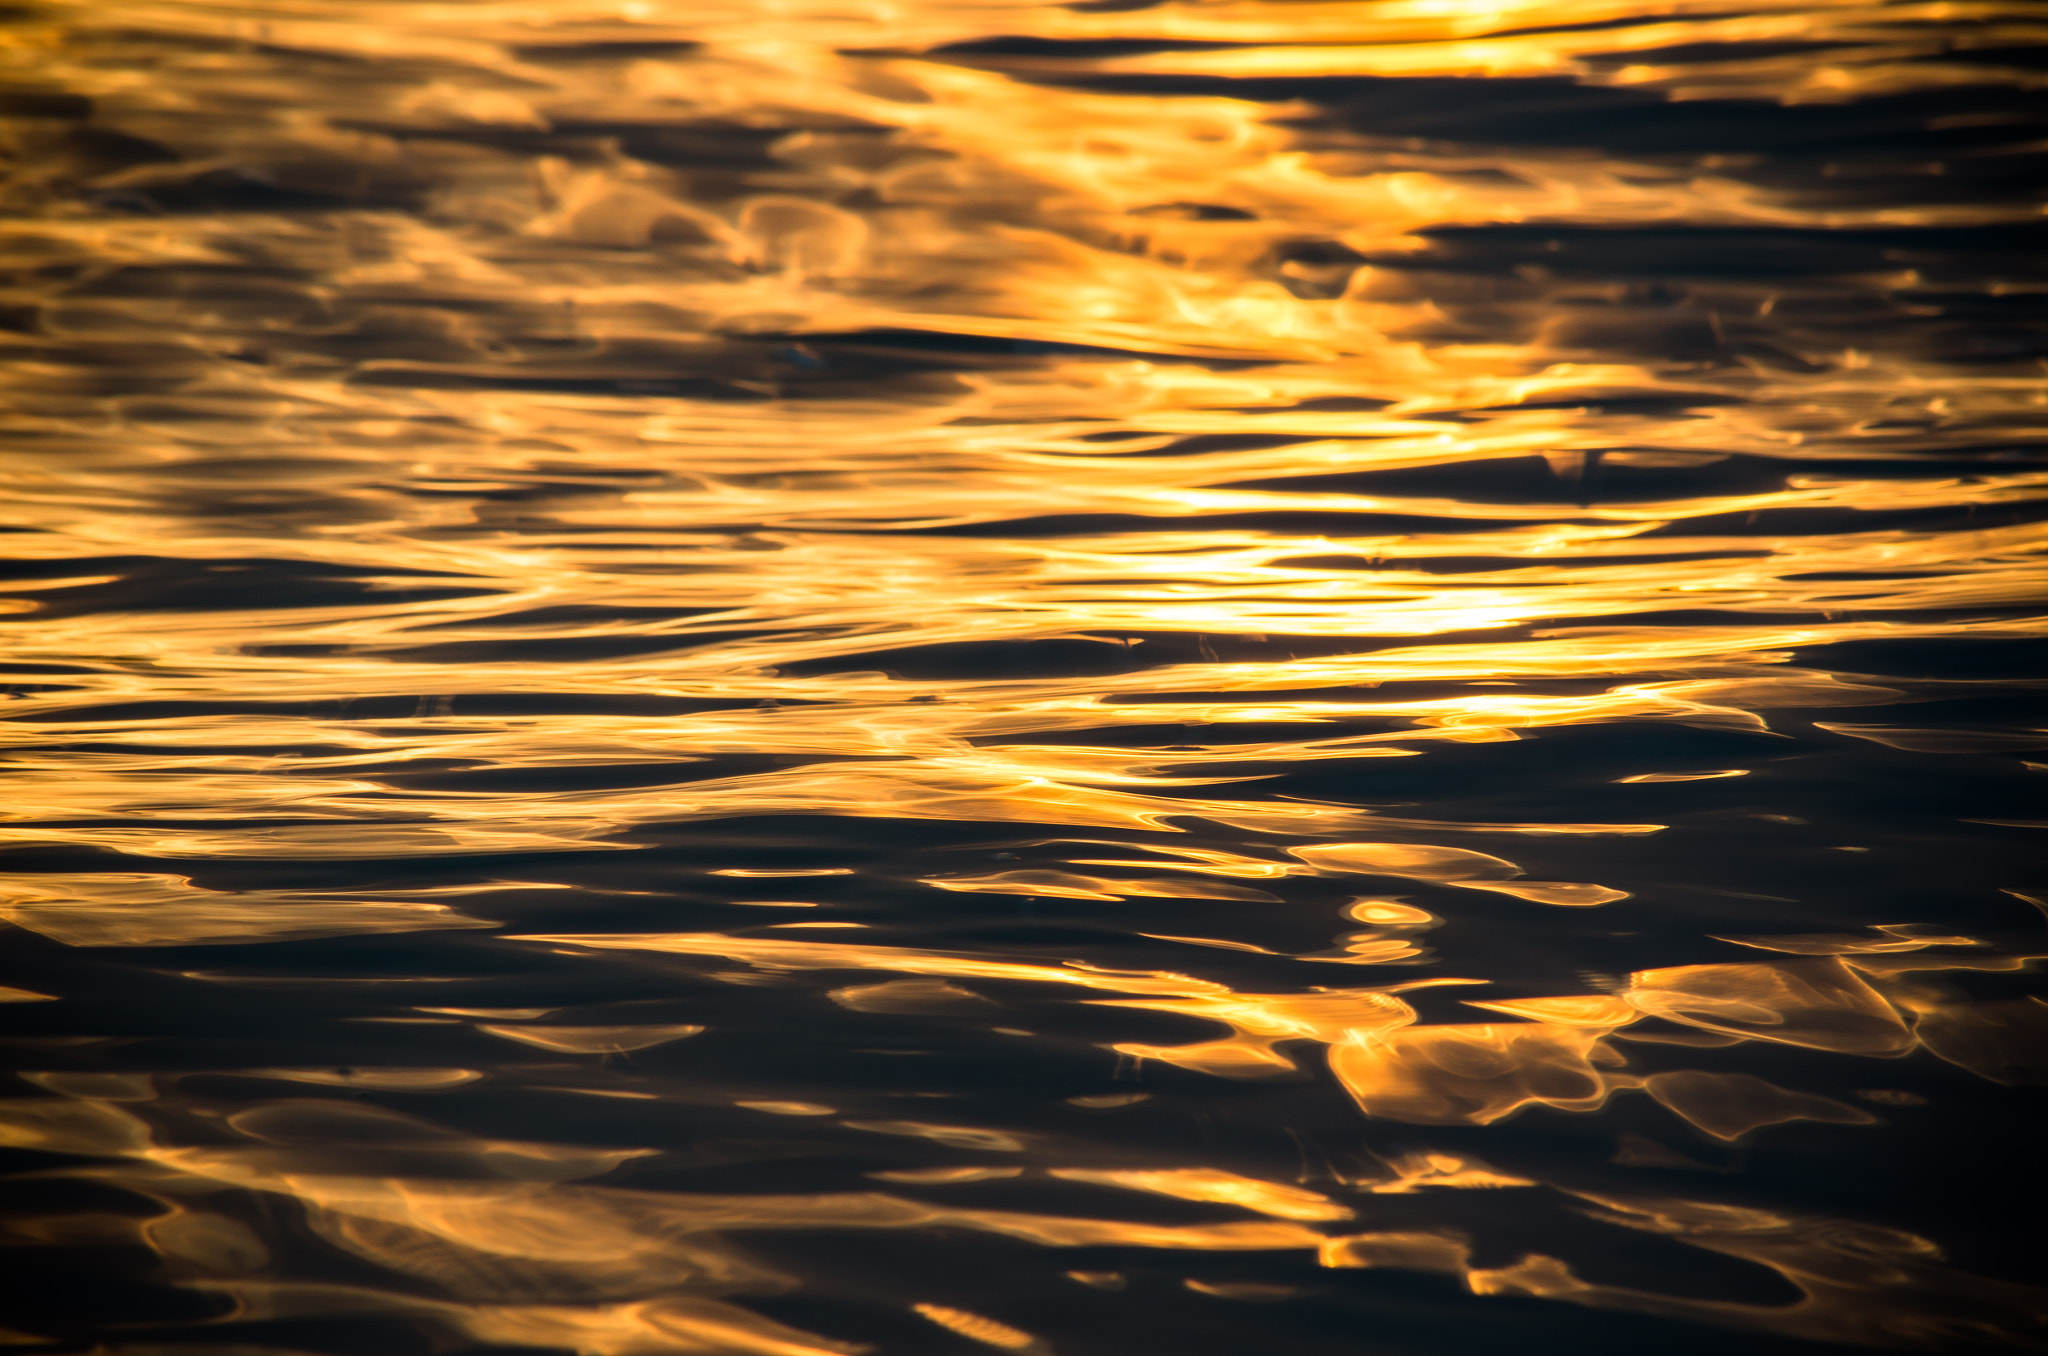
(1115, 680)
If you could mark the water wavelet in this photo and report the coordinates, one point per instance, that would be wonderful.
(124, 909)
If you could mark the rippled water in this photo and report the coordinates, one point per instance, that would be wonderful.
(1197, 678)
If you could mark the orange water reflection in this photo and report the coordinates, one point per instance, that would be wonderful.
(462, 451)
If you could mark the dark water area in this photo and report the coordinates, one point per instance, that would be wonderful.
(1271, 677)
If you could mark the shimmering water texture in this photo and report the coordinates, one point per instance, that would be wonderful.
(1188, 679)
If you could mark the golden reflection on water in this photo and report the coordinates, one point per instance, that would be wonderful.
(1016, 499)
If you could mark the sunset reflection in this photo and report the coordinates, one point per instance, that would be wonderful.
(725, 678)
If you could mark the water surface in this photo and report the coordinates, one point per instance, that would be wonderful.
(1104, 680)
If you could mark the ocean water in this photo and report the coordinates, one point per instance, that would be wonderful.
(1123, 679)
